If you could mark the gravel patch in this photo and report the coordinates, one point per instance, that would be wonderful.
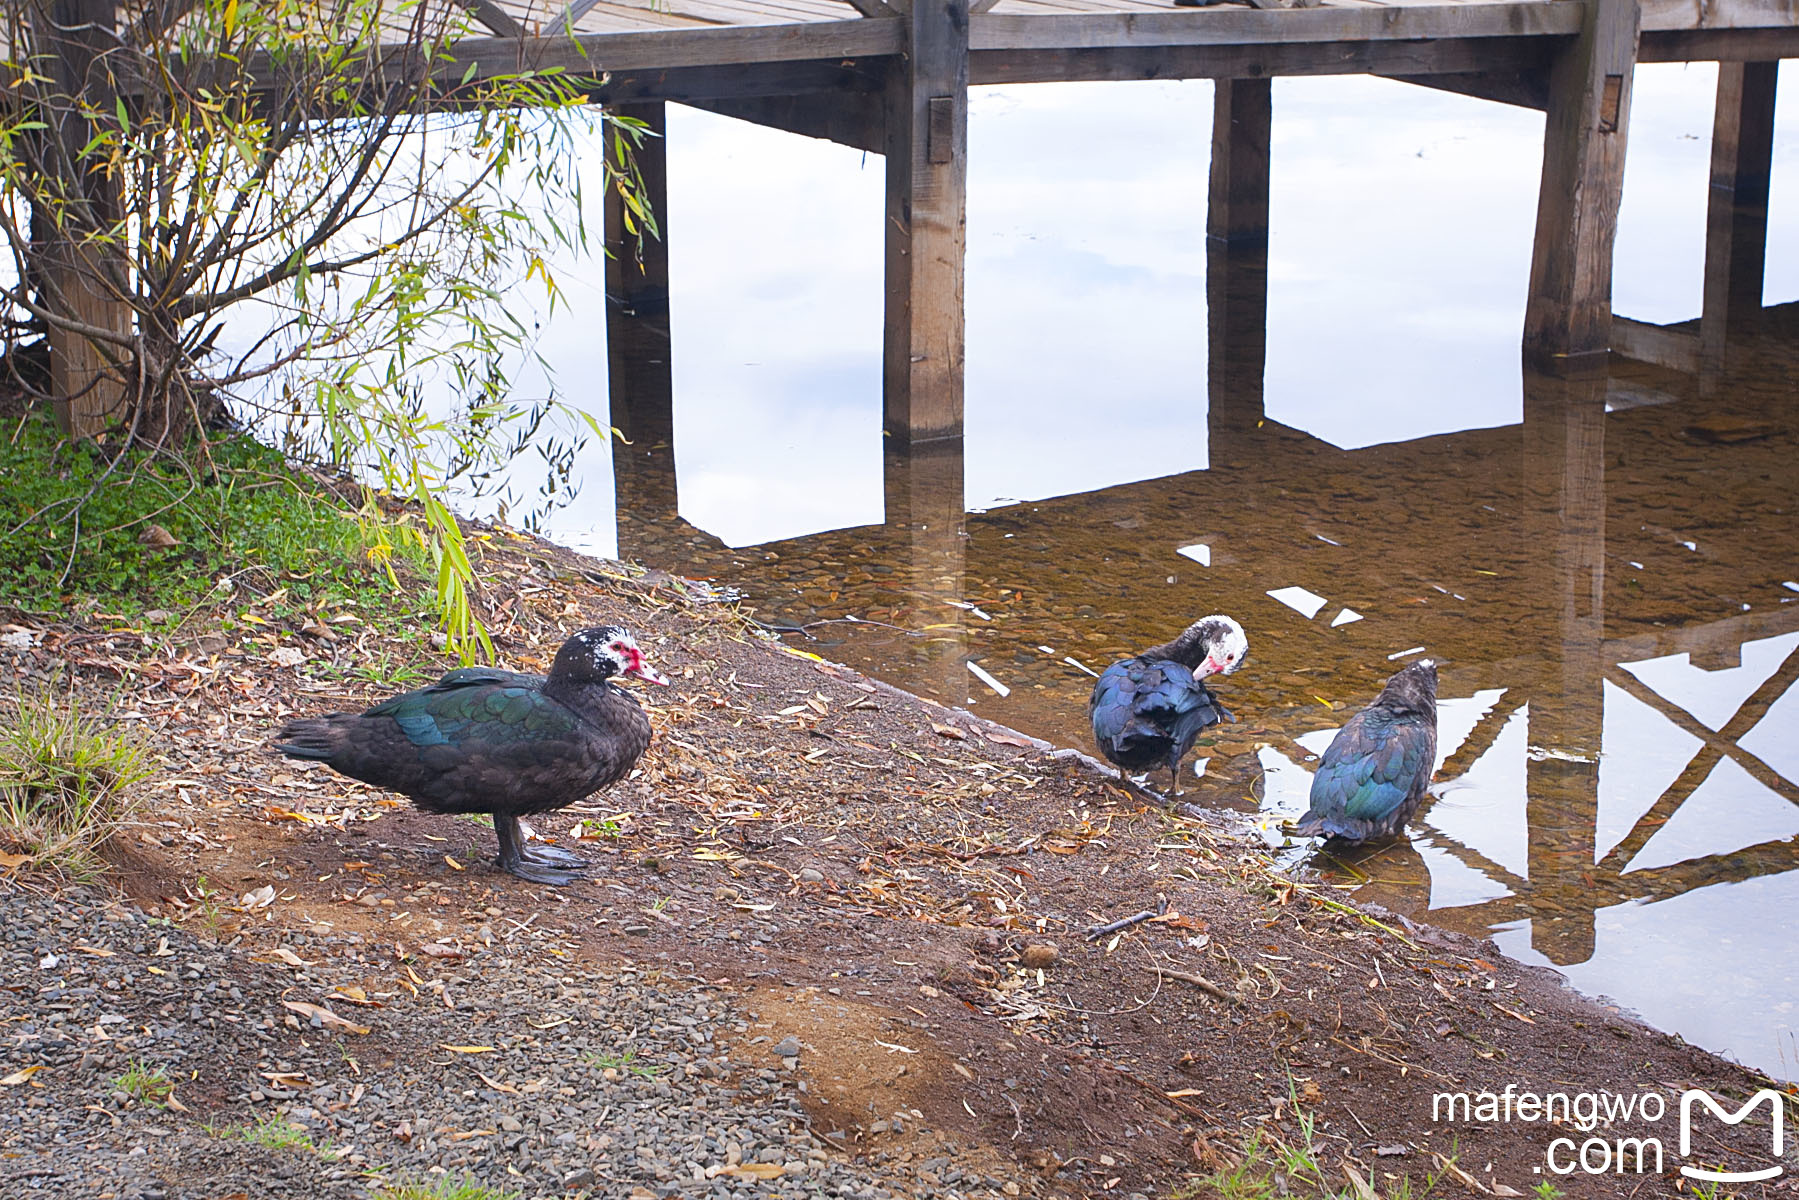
(143, 1063)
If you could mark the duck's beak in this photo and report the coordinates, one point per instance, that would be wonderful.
(639, 669)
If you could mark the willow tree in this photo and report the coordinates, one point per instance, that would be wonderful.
(306, 202)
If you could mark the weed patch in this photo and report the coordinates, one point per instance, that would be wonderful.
(65, 775)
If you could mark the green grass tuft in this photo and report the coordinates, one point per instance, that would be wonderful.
(146, 1082)
(444, 1187)
(65, 775)
(275, 1132)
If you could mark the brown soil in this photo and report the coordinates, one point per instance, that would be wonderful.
(872, 871)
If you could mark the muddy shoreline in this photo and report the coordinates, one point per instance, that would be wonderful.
(867, 873)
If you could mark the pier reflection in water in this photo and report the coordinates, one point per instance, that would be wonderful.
(1611, 583)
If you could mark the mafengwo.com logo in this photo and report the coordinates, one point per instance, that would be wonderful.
(1602, 1149)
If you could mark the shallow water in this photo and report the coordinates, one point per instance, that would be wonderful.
(1608, 571)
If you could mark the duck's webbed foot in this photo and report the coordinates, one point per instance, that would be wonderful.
(551, 856)
(534, 864)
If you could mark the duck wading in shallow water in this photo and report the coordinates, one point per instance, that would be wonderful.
(1147, 710)
(482, 740)
(1373, 776)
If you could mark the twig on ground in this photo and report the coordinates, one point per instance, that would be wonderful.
(1199, 981)
(1100, 931)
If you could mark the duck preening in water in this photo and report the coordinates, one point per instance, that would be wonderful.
(482, 740)
(1373, 776)
(1147, 710)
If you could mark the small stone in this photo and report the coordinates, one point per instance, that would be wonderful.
(583, 1177)
(787, 1047)
(1038, 955)
(811, 875)
(510, 1123)
(638, 930)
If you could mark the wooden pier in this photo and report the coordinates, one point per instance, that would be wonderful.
(892, 77)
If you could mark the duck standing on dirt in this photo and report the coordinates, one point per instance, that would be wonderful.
(482, 740)
(1373, 776)
(1147, 710)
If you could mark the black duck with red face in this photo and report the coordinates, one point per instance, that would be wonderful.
(482, 740)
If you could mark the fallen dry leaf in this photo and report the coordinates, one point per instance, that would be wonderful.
(324, 1014)
(12, 862)
(1006, 739)
(466, 1049)
(948, 731)
(497, 1086)
(18, 1077)
(757, 1170)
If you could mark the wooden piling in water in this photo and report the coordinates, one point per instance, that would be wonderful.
(926, 225)
(1242, 124)
(1567, 319)
(639, 350)
(1736, 225)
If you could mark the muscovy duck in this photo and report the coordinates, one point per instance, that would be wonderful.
(1373, 776)
(1147, 710)
(482, 740)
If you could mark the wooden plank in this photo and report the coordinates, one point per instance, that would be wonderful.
(1237, 204)
(852, 119)
(926, 226)
(1736, 222)
(1719, 14)
(1567, 320)
(1216, 27)
(1254, 61)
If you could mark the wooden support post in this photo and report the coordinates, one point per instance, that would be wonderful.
(1564, 525)
(1567, 319)
(77, 283)
(927, 187)
(1242, 120)
(1736, 225)
(638, 354)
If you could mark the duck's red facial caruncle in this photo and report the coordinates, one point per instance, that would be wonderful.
(632, 662)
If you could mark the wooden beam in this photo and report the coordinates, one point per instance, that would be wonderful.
(852, 119)
(1258, 61)
(1719, 45)
(584, 54)
(1736, 224)
(494, 17)
(926, 226)
(1672, 349)
(1567, 319)
(1522, 89)
(1219, 27)
(1237, 204)
(695, 85)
